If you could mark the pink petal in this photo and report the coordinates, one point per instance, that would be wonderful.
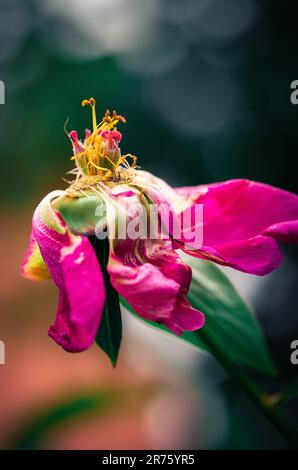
(185, 318)
(74, 268)
(154, 281)
(242, 221)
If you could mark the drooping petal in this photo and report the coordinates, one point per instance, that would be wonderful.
(33, 266)
(154, 281)
(185, 318)
(242, 222)
(74, 268)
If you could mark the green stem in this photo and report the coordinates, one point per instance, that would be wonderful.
(273, 413)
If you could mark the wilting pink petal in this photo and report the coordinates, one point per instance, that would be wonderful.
(242, 221)
(154, 281)
(72, 263)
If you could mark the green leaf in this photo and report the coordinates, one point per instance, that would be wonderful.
(229, 320)
(110, 329)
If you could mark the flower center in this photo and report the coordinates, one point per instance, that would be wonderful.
(99, 155)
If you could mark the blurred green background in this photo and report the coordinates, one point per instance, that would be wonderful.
(205, 88)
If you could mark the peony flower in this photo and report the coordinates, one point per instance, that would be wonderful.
(240, 226)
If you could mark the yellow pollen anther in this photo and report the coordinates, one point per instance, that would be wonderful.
(119, 117)
(107, 118)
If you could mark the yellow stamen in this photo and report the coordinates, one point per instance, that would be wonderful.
(91, 102)
(94, 159)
